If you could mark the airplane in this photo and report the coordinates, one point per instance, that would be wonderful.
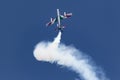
(57, 19)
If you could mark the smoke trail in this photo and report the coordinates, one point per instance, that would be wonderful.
(67, 56)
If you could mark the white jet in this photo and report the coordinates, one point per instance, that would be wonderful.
(57, 19)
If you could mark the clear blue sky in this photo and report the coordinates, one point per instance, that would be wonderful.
(94, 29)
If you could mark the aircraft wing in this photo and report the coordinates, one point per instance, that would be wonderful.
(67, 15)
(52, 21)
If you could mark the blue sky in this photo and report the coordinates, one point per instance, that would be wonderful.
(93, 29)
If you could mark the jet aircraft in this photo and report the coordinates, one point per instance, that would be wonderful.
(58, 19)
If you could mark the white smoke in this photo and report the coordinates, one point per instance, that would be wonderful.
(67, 56)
